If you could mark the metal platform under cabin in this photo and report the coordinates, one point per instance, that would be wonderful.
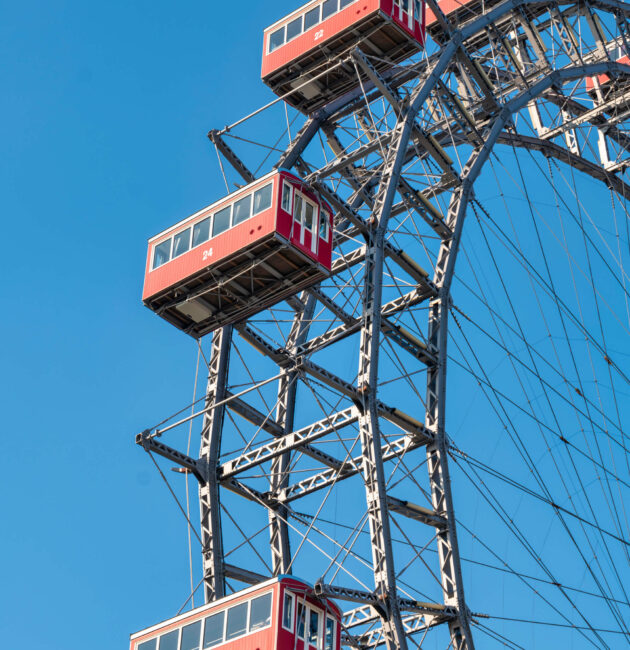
(377, 35)
(249, 282)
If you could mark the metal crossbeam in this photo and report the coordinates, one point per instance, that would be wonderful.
(288, 442)
(153, 445)
(390, 450)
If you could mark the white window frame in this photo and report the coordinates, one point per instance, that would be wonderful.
(170, 254)
(251, 208)
(209, 217)
(324, 217)
(258, 190)
(202, 622)
(230, 206)
(336, 11)
(334, 632)
(203, 628)
(248, 602)
(314, 229)
(291, 192)
(155, 638)
(293, 611)
(319, 19)
(179, 638)
(284, 42)
(190, 229)
(307, 625)
(286, 29)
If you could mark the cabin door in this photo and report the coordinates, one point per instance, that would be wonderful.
(305, 223)
(404, 9)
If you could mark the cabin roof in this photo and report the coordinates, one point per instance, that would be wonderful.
(214, 604)
(210, 207)
(295, 12)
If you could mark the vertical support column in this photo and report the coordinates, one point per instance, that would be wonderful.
(287, 390)
(372, 461)
(437, 458)
(437, 462)
(209, 501)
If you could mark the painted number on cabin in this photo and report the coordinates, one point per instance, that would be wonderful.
(207, 254)
(319, 34)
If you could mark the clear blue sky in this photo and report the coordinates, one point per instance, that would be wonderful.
(103, 114)
(104, 109)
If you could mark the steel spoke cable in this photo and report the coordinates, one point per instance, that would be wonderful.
(539, 356)
(527, 458)
(511, 481)
(489, 497)
(518, 255)
(503, 640)
(612, 499)
(503, 569)
(483, 381)
(537, 374)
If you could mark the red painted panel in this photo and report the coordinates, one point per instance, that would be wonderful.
(208, 253)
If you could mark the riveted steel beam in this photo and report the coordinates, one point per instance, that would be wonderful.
(209, 497)
(287, 442)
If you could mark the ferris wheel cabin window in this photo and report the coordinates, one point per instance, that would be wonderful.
(287, 192)
(417, 9)
(213, 630)
(221, 221)
(294, 28)
(236, 621)
(242, 210)
(313, 628)
(324, 226)
(201, 232)
(191, 635)
(262, 198)
(330, 634)
(148, 645)
(329, 7)
(181, 242)
(287, 611)
(311, 18)
(260, 612)
(344, 3)
(300, 620)
(162, 253)
(169, 641)
(309, 215)
(276, 39)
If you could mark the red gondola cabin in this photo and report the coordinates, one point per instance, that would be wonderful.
(302, 46)
(280, 614)
(240, 255)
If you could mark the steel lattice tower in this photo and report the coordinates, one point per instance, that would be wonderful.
(404, 147)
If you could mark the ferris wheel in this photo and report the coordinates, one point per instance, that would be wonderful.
(444, 190)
